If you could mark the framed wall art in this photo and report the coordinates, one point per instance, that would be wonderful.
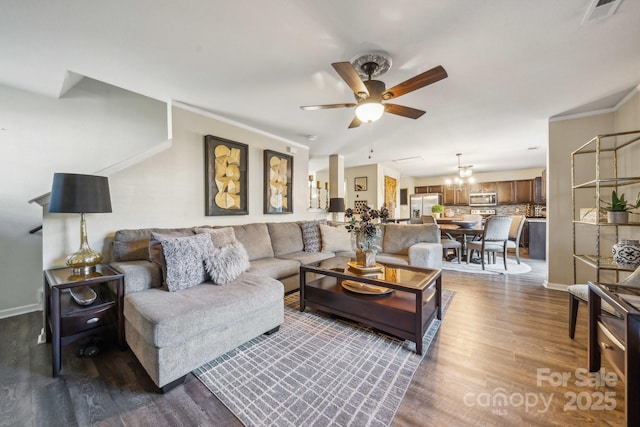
(227, 168)
(360, 183)
(278, 183)
(359, 205)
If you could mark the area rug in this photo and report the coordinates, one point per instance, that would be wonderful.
(317, 371)
(498, 268)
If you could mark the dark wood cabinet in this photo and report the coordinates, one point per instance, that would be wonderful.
(505, 192)
(539, 195)
(524, 191)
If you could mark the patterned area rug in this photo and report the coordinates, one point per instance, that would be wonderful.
(498, 268)
(317, 371)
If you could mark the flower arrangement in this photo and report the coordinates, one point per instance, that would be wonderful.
(365, 229)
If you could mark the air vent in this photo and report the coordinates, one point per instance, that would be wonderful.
(600, 9)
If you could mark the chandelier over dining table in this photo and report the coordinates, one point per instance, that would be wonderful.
(464, 176)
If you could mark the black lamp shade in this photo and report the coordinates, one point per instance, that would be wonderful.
(74, 193)
(336, 204)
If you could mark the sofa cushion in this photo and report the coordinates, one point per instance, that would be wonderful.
(335, 239)
(311, 235)
(155, 253)
(255, 239)
(286, 237)
(184, 257)
(308, 257)
(220, 237)
(167, 318)
(398, 237)
(226, 263)
(133, 245)
(274, 267)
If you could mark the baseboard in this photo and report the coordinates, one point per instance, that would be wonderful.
(10, 312)
(555, 286)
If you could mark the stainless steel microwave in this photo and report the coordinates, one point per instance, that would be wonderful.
(483, 199)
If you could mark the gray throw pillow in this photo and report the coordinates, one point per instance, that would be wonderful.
(184, 257)
(225, 264)
(156, 256)
(311, 235)
(219, 236)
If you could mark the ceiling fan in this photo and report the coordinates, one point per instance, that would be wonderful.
(370, 93)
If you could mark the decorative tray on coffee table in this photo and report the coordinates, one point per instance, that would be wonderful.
(365, 270)
(362, 288)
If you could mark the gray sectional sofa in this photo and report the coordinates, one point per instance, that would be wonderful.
(173, 333)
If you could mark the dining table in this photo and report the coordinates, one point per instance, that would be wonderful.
(449, 227)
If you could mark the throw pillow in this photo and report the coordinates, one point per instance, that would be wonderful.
(311, 235)
(156, 256)
(184, 257)
(225, 264)
(219, 236)
(335, 239)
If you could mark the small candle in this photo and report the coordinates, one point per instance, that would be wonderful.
(326, 185)
(310, 177)
(319, 184)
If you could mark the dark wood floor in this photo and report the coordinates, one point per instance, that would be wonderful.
(498, 332)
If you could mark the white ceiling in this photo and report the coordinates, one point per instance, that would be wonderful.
(511, 65)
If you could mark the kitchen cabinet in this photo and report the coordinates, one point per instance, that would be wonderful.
(524, 191)
(537, 238)
(506, 192)
(454, 196)
(483, 187)
(423, 189)
(539, 195)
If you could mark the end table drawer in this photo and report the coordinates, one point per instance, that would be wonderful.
(88, 319)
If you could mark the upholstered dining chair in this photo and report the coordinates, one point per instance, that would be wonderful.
(494, 239)
(446, 240)
(517, 224)
(580, 294)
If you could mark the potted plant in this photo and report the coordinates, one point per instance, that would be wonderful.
(437, 210)
(618, 209)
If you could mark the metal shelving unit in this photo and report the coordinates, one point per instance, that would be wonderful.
(595, 166)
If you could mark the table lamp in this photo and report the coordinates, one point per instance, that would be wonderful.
(73, 193)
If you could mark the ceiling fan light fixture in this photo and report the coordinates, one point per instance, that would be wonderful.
(369, 111)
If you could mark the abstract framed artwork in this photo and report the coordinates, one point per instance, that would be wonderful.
(359, 206)
(227, 168)
(278, 183)
(360, 183)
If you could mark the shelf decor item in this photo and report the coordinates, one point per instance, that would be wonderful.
(618, 209)
(83, 194)
(626, 253)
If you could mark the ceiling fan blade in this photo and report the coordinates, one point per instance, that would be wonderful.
(401, 110)
(326, 106)
(351, 78)
(421, 80)
(355, 123)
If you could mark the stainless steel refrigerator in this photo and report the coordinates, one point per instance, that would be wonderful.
(421, 203)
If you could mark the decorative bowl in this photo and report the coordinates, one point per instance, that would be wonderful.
(464, 224)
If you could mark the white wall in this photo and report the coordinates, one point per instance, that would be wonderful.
(168, 190)
(93, 126)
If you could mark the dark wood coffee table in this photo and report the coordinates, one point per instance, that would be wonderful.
(415, 296)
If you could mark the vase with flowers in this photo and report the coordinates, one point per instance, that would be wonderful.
(366, 231)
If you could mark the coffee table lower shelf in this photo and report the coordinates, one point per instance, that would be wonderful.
(395, 313)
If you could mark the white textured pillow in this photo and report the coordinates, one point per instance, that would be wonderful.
(184, 256)
(225, 264)
(335, 239)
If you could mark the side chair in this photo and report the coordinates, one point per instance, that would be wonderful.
(494, 239)
(514, 234)
(580, 294)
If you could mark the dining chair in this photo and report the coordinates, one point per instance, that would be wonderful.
(517, 224)
(580, 294)
(446, 240)
(494, 239)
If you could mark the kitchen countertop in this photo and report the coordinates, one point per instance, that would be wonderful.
(537, 219)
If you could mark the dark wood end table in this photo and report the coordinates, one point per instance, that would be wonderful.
(66, 321)
(406, 312)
